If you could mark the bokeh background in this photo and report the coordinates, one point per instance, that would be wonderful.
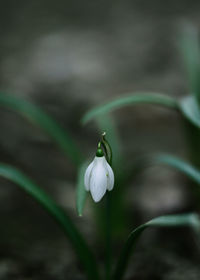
(66, 57)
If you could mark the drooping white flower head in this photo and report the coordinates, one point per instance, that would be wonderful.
(99, 177)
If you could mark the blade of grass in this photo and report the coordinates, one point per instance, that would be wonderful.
(44, 121)
(187, 169)
(144, 162)
(191, 125)
(133, 99)
(81, 193)
(189, 46)
(180, 165)
(191, 220)
(75, 237)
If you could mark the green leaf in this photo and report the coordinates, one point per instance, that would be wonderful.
(180, 165)
(190, 110)
(191, 220)
(75, 237)
(81, 193)
(48, 124)
(133, 99)
(189, 46)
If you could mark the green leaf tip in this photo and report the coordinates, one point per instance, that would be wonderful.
(179, 164)
(190, 110)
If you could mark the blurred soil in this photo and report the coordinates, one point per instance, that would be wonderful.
(67, 56)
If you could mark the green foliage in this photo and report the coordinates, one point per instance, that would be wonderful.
(132, 99)
(179, 164)
(44, 121)
(75, 237)
(190, 110)
(174, 162)
(81, 193)
(189, 46)
(191, 220)
(188, 107)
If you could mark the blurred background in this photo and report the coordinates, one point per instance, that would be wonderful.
(66, 57)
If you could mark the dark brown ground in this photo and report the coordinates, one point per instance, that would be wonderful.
(67, 57)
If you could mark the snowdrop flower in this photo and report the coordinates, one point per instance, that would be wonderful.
(99, 177)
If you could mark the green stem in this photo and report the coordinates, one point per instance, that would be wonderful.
(108, 236)
(107, 148)
(108, 213)
(193, 141)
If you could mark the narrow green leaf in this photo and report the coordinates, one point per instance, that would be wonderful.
(189, 46)
(133, 99)
(191, 220)
(190, 110)
(75, 237)
(48, 124)
(180, 165)
(191, 123)
(81, 193)
(144, 162)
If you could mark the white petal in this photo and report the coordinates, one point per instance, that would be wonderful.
(98, 179)
(110, 175)
(87, 176)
